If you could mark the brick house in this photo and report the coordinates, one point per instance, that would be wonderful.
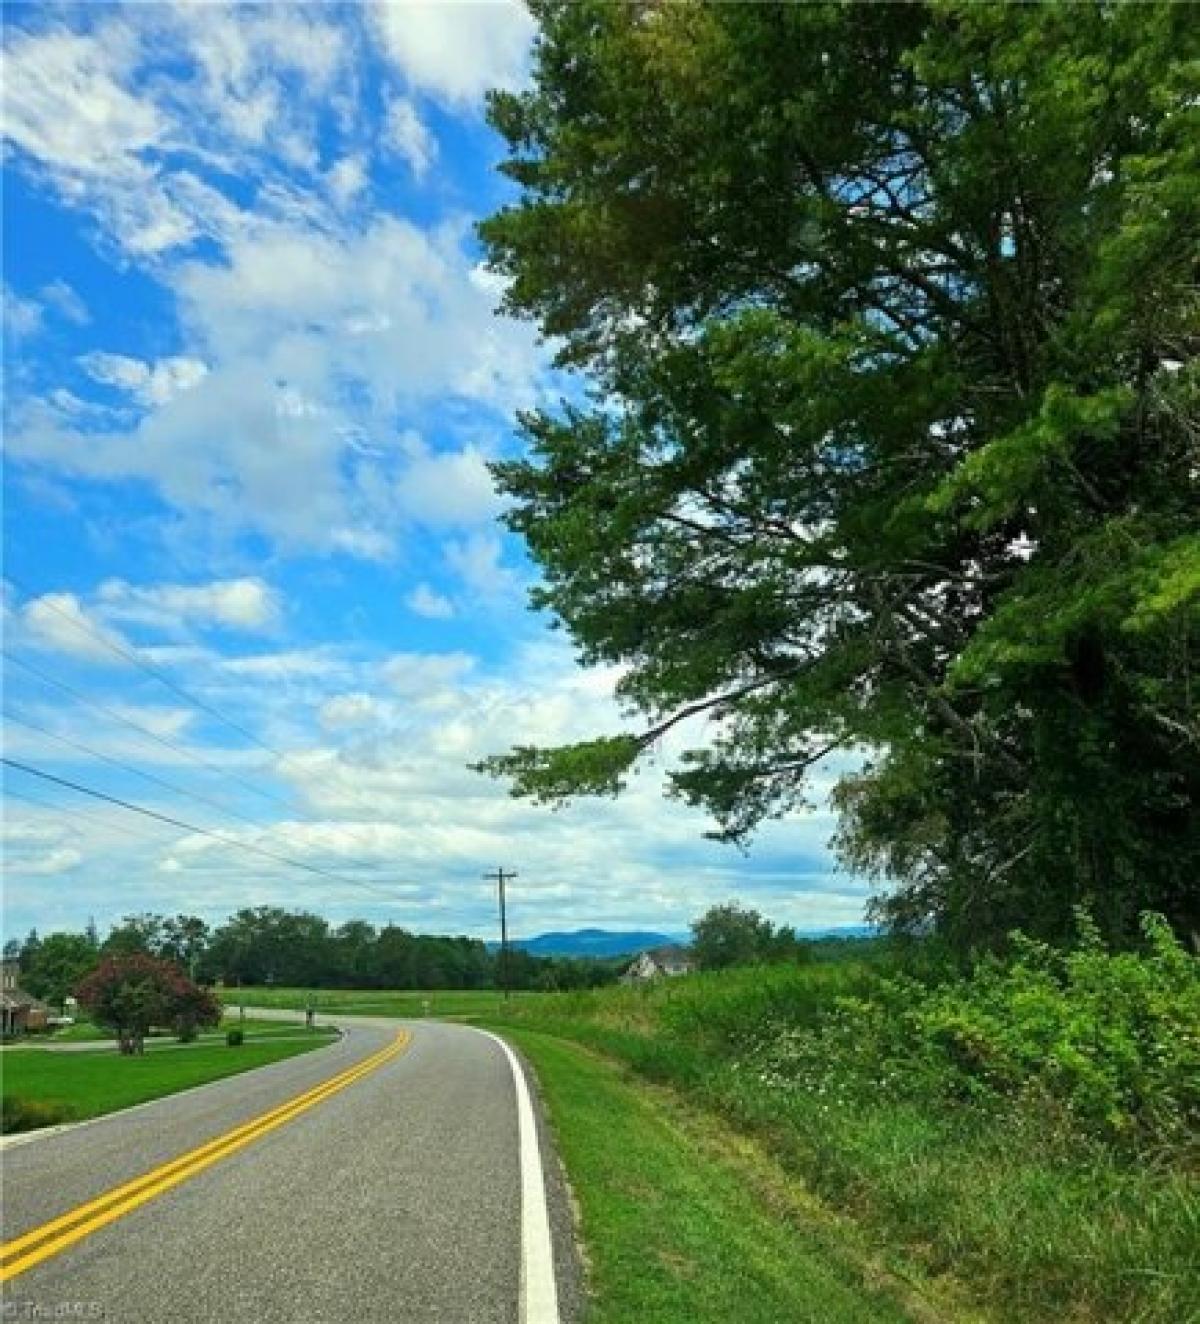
(19, 1011)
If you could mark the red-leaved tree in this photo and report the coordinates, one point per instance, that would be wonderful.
(130, 994)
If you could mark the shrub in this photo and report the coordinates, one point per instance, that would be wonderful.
(1109, 1039)
(235, 1038)
(17, 1114)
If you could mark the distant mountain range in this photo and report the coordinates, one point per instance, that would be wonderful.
(593, 942)
(614, 942)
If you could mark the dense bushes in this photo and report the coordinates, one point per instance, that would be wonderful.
(993, 1125)
(1110, 1040)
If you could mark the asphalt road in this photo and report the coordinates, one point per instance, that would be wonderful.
(397, 1198)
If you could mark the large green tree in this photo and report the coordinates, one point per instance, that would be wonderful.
(889, 319)
(59, 962)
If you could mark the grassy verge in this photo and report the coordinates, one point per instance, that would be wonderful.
(410, 1003)
(1035, 1221)
(84, 1032)
(41, 1089)
(685, 1222)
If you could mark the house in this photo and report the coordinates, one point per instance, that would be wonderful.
(18, 1010)
(656, 962)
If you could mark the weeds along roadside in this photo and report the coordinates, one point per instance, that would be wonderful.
(1028, 1129)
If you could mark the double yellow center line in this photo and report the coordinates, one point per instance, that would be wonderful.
(41, 1243)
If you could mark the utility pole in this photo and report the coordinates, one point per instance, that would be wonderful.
(501, 877)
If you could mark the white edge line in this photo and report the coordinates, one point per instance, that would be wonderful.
(539, 1290)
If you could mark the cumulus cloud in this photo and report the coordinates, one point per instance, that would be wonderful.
(307, 322)
(306, 663)
(312, 342)
(478, 562)
(428, 602)
(59, 622)
(456, 51)
(348, 710)
(60, 860)
(447, 489)
(348, 177)
(421, 675)
(151, 384)
(247, 604)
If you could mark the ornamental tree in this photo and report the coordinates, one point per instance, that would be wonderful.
(889, 319)
(130, 994)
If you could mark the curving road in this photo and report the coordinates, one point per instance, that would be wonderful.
(410, 1191)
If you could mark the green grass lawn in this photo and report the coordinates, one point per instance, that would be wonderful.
(45, 1088)
(373, 1002)
(685, 1222)
(86, 1032)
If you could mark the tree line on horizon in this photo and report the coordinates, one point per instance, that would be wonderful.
(270, 945)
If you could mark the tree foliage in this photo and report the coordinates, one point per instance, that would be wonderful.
(56, 965)
(131, 994)
(889, 317)
(731, 934)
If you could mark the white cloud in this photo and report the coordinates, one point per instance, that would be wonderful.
(348, 177)
(66, 106)
(448, 489)
(456, 51)
(167, 723)
(61, 860)
(313, 343)
(59, 621)
(421, 675)
(151, 384)
(300, 663)
(66, 302)
(428, 602)
(348, 710)
(247, 604)
(407, 136)
(478, 562)
(22, 317)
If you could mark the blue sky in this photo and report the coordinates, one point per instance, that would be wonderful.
(253, 378)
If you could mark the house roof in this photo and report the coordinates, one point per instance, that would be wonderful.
(16, 999)
(671, 952)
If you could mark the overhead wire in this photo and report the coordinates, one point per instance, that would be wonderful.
(163, 741)
(131, 655)
(112, 713)
(93, 816)
(128, 767)
(188, 827)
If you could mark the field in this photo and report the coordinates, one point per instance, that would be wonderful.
(43, 1088)
(412, 1003)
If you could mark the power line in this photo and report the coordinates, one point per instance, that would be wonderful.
(143, 730)
(160, 740)
(140, 662)
(187, 827)
(76, 812)
(128, 767)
